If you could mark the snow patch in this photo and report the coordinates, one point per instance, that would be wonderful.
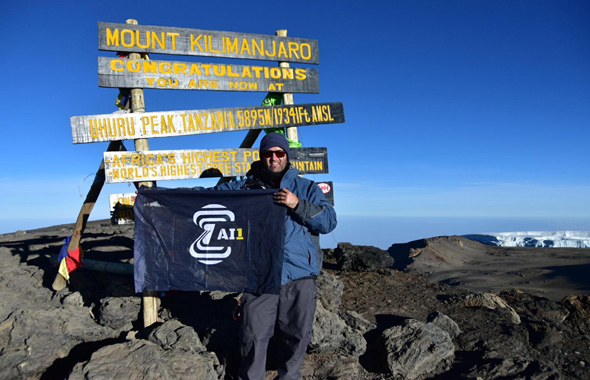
(556, 239)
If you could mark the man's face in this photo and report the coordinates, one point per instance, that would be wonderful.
(275, 159)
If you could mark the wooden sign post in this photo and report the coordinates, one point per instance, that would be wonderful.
(150, 300)
(143, 166)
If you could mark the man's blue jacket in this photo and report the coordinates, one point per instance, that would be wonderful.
(313, 215)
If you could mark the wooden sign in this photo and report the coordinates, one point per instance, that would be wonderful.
(172, 75)
(122, 207)
(127, 126)
(185, 164)
(208, 43)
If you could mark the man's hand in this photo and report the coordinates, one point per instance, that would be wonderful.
(287, 198)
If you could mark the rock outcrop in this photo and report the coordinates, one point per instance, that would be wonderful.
(372, 322)
(415, 348)
(361, 258)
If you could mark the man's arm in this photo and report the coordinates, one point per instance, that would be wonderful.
(315, 212)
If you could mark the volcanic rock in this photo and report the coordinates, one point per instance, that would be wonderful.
(415, 348)
(361, 258)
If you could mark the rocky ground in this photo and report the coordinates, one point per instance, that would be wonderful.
(376, 318)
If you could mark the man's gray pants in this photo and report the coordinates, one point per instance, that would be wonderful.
(293, 312)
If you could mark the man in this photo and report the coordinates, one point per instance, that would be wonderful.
(293, 309)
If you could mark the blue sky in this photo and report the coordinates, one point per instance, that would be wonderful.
(454, 109)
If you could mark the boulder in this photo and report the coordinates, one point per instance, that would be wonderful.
(119, 313)
(37, 327)
(579, 308)
(445, 323)
(361, 258)
(145, 360)
(334, 367)
(174, 335)
(332, 336)
(356, 321)
(329, 291)
(489, 301)
(415, 348)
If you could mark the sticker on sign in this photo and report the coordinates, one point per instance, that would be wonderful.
(324, 187)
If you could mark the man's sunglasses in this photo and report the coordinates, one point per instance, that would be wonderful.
(278, 153)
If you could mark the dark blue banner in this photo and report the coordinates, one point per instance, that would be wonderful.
(208, 240)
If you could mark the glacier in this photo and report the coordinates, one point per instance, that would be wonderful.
(555, 239)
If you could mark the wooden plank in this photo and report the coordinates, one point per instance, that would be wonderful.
(200, 163)
(172, 75)
(207, 43)
(112, 127)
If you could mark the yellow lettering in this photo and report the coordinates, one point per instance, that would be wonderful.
(173, 36)
(293, 47)
(300, 74)
(230, 73)
(207, 68)
(154, 124)
(232, 47)
(303, 55)
(191, 124)
(274, 50)
(211, 50)
(246, 72)
(267, 117)
(287, 73)
(120, 126)
(116, 65)
(195, 70)
(314, 115)
(165, 67)
(245, 46)
(260, 48)
(282, 50)
(179, 68)
(144, 122)
(219, 70)
(102, 126)
(195, 41)
(133, 66)
(161, 41)
(112, 37)
(150, 67)
(138, 39)
(275, 72)
(131, 42)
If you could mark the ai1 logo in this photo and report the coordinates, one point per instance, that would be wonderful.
(214, 244)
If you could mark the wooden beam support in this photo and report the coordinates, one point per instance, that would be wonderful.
(60, 282)
(253, 134)
(150, 299)
(287, 97)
